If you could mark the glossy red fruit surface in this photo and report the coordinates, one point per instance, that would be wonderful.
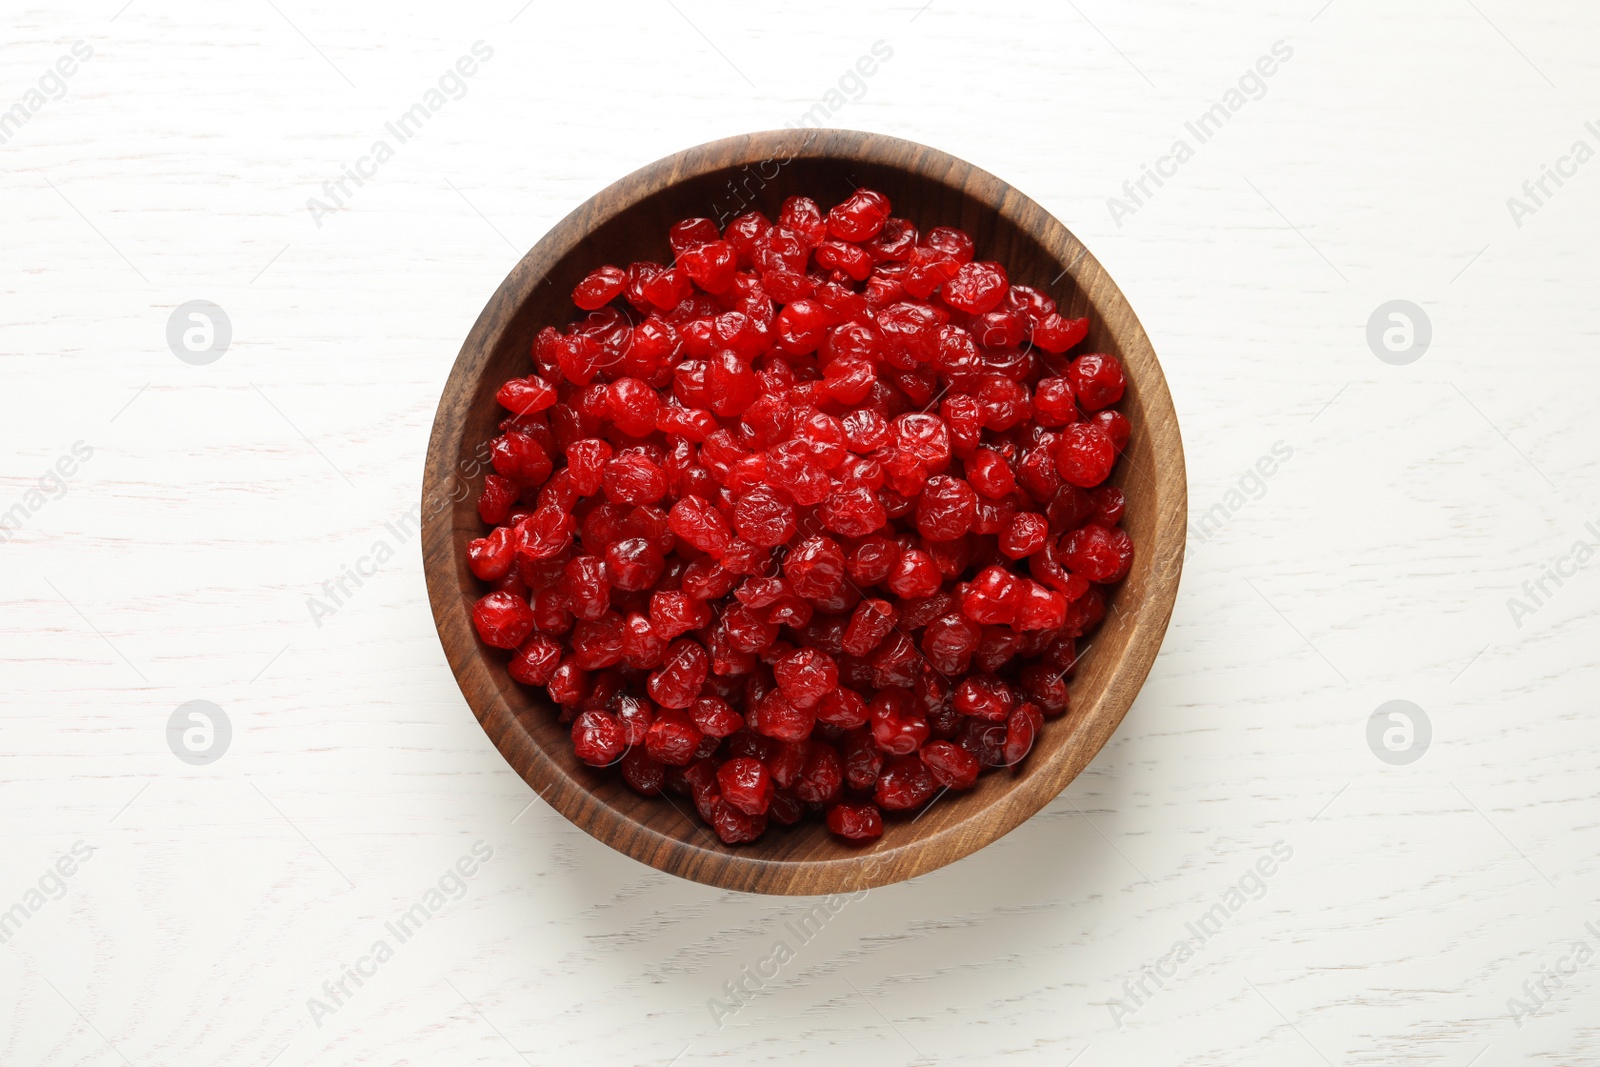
(855, 822)
(808, 518)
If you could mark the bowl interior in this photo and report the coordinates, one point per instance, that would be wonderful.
(628, 222)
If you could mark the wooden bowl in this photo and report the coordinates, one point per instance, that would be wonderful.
(627, 222)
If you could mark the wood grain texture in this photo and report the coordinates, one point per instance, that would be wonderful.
(627, 222)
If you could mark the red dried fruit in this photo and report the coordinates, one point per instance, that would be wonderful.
(950, 766)
(1096, 380)
(691, 233)
(951, 243)
(785, 760)
(1055, 334)
(984, 697)
(597, 738)
(786, 809)
(502, 619)
(586, 462)
(672, 738)
(855, 822)
(634, 564)
(870, 623)
(1085, 455)
(1054, 403)
(897, 727)
(821, 775)
(1115, 425)
(587, 586)
(993, 596)
(491, 557)
(862, 759)
(839, 499)
(924, 440)
(525, 396)
(816, 568)
(682, 673)
(859, 217)
(633, 479)
(535, 662)
(700, 524)
(1100, 553)
(894, 242)
(976, 288)
(642, 648)
(946, 509)
(764, 518)
(775, 716)
(494, 502)
(733, 826)
(707, 580)
(644, 774)
(803, 219)
(714, 717)
(1046, 687)
(665, 290)
(904, 784)
(843, 708)
(1025, 535)
(745, 783)
(632, 406)
(1040, 608)
(1022, 730)
(1069, 508)
(635, 714)
(801, 327)
(743, 233)
(600, 288)
(985, 741)
(853, 512)
(949, 642)
(913, 575)
(806, 676)
(597, 643)
(990, 474)
(711, 265)
(872, 560)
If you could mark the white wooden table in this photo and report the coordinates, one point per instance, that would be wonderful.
(211, 909)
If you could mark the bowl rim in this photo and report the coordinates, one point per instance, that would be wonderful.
(880, 863)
